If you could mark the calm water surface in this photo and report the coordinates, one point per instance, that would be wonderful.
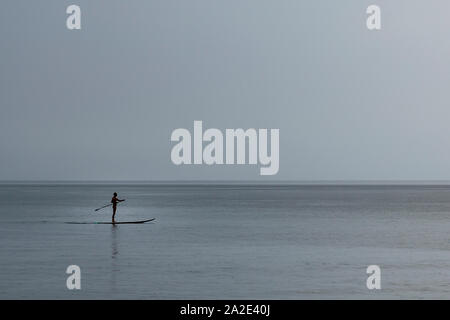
(225, 242)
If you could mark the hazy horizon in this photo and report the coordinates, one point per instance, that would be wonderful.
(240, 182)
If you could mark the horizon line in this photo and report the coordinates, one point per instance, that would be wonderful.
(235, 182)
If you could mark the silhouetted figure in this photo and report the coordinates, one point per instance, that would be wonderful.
(114, 202)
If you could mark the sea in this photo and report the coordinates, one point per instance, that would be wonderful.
(225, 241)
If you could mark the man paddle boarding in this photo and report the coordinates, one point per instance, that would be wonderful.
(114, 202)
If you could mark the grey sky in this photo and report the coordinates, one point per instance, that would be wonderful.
(101, 103)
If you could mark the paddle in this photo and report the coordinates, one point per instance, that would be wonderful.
(106, 206)
(103, 207)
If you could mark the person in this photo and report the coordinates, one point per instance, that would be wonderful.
(114, 202)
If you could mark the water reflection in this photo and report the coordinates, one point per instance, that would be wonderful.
(115, 250)
(114, 255)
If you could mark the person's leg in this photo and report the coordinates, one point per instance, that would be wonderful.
(114, 213)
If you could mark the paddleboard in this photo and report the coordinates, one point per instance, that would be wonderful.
(119, 222)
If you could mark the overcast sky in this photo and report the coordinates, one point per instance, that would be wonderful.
(101, 103)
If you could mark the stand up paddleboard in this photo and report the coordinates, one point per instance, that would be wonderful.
(120, 222)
